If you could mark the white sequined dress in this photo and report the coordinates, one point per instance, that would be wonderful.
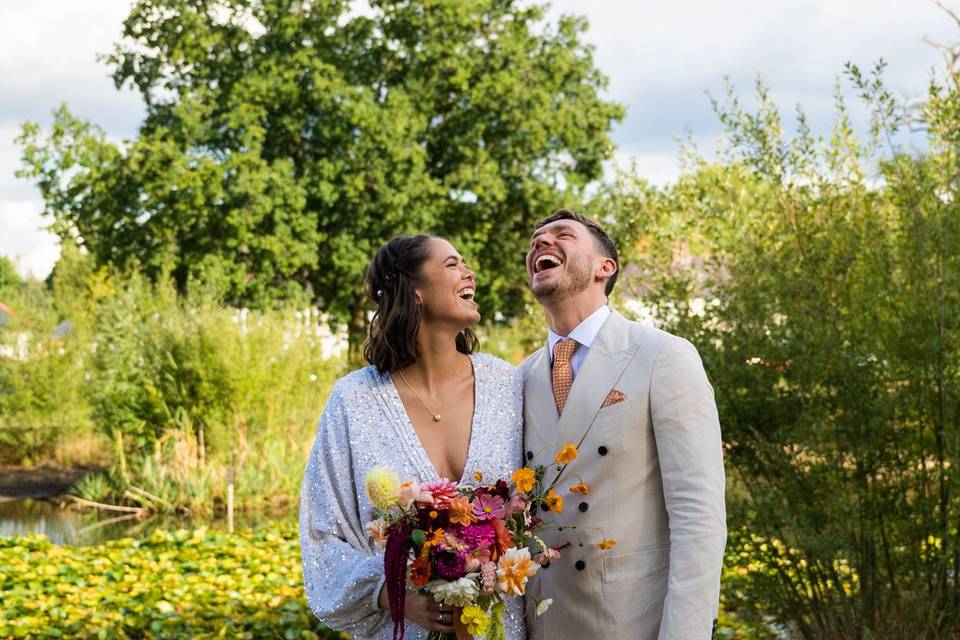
(364, 424)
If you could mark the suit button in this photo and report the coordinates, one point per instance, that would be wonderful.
(583, 507)
(529, 455)
(602, 450)
(580, 565)
(545, 506)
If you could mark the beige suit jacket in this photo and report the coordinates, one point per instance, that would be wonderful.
(654, 463)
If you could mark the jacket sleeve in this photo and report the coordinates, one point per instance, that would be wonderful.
(687, 432)
(342, 572)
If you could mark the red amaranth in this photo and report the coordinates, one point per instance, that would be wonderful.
(395, 574)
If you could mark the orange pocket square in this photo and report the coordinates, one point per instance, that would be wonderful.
(614, 397)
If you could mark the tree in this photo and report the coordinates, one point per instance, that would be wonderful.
(285, 140)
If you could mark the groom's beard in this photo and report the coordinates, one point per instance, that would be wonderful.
(576, 279)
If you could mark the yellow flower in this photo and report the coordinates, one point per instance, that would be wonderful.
(606, 544)
(513, 569)
(478, 477)
(524, 479)
(436, 537)
(554, 501)
(383, 487)
(568, 453)
(580, 487)
(476, 620)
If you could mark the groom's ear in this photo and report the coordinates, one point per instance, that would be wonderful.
(606, 268)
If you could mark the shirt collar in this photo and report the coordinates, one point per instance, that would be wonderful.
(584, 333)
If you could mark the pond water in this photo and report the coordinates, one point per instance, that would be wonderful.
(83, 527)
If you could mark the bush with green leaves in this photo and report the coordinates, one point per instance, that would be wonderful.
(820, 279)
(42, 392)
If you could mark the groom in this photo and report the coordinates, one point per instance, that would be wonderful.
(637, 404)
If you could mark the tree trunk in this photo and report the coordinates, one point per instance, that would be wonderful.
(357, 333)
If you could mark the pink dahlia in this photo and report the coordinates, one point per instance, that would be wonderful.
(478, 535)
(442, 490)
(488, 507)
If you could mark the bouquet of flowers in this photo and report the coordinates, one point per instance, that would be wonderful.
(468, 546)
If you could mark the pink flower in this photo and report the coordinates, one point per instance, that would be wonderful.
(478, 535)
(546, 557)
(472, 564)
(442, 490)
(518, 502)
(477, 558)
(488, 579)
(488, 507)
(483, 554)
(410, 491)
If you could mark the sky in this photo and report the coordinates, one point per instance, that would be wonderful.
(662, 59)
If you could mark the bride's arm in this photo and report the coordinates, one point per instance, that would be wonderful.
(342, 573)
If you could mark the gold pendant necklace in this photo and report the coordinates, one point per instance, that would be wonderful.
(436, 415)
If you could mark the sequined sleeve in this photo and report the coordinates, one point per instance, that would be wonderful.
(342, 572)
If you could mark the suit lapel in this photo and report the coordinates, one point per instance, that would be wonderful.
(605, 362)
(541, 407)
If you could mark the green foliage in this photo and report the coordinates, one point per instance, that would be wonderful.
(42, 402)
(196, 584)
(284, 142)
(825, 305)
(182, 390)
(514, 339)
(196, 389)
(10, 280)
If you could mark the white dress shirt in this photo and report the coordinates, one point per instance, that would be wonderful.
(584, 333)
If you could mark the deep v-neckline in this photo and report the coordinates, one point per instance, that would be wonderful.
(411, 433)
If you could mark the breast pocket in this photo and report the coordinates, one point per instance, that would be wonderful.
(614, 411)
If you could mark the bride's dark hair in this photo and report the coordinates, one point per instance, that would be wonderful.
(391, 281)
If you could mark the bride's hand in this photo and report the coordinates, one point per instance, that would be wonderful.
(424, 611)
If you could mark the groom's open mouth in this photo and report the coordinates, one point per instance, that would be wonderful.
(546, 262)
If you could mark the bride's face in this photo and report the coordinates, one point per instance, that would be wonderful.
(447, 287)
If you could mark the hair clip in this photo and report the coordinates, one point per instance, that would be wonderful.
(379, 293)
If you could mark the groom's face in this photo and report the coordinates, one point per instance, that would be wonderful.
(561, 261)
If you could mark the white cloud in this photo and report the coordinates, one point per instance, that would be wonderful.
(662, 57)
(659, 167)
(24, 238)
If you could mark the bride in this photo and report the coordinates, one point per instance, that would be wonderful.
(429, 407)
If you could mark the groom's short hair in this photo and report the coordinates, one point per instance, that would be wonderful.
(604, 243)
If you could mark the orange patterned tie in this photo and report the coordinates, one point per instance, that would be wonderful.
(562, 371)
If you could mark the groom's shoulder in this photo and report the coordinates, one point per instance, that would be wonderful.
(529, 360)
(651, 338)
